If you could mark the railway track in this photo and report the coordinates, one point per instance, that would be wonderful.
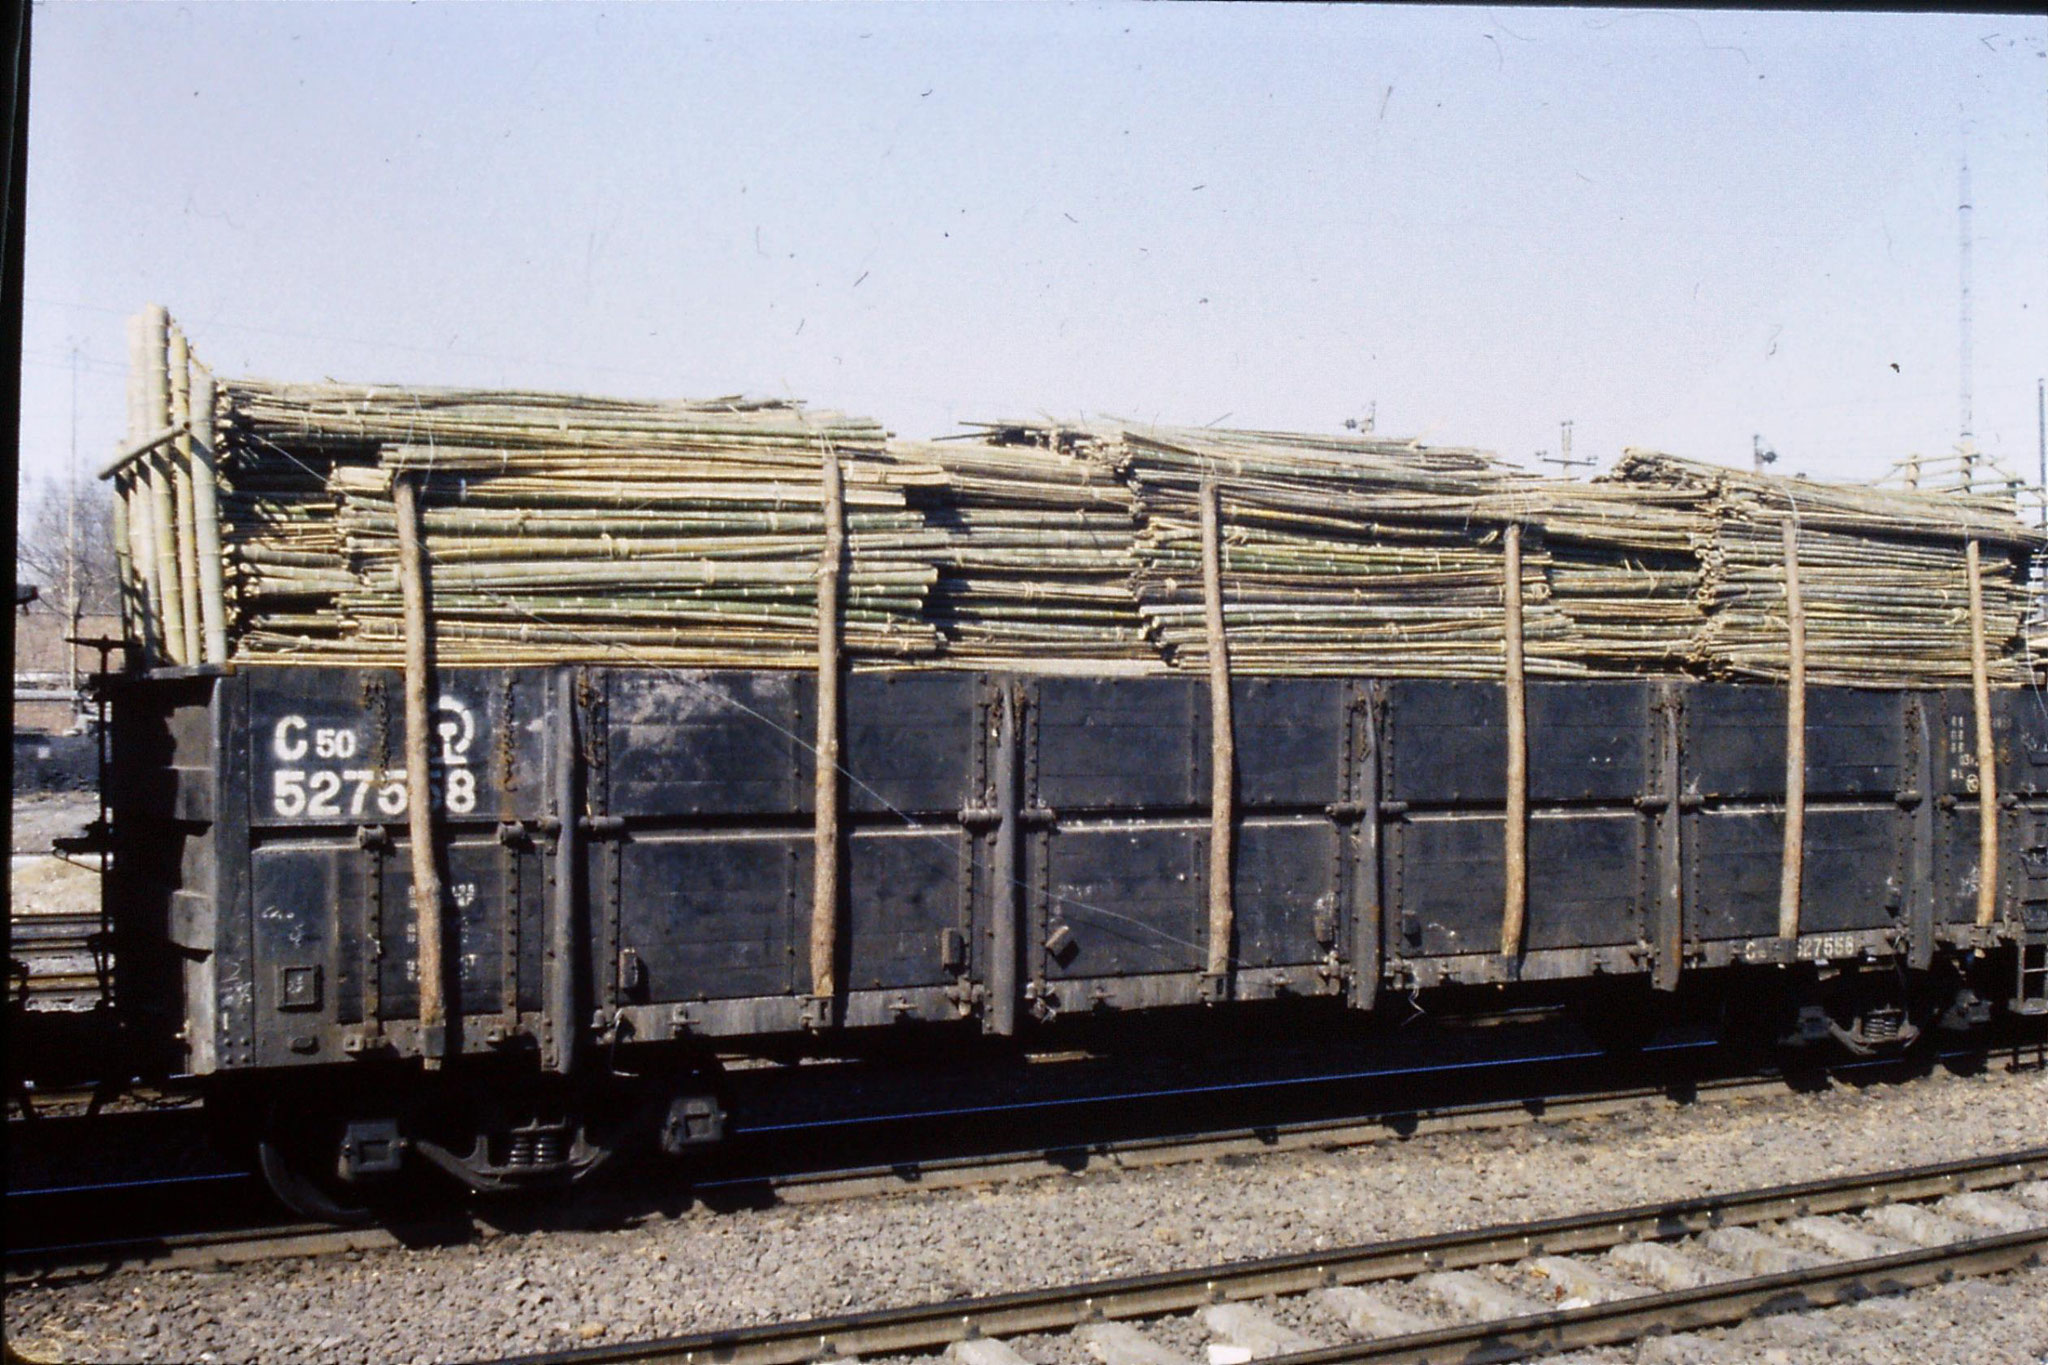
(57, 961)
(1491, 1294)
(41, 1244)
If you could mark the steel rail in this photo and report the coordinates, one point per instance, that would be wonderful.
(206, 1250)
(1352, 1130)
(1688, 1310)
(174, 1251)
(165, 1251)
(931, 1326)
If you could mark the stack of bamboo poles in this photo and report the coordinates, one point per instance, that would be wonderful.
(286, 562)
(563, 528)
(1037, 551)
(1346, 556)
(1624, 573)
(167, 523)
(258, 520)
(1882, 576)
(1338, 556)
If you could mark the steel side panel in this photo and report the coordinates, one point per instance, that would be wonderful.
(2022, 741)
(1446, 742)
(1290, 741)
(1734, 745)
(1850, 879)
(1956, 862)
(1587, 742)
(906, 888)
(321, 739)
(910, 743)
(1120, 744)
(1286, 877)
(1585, 884)
(294, 889)
(690, 742)
(1853, 872)
(714, 916)
(731, 743)
(475, 891)
(1856, 743)
(1130, 897)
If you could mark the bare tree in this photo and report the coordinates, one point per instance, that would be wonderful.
(64, 544)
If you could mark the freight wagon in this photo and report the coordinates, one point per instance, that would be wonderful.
(630, 861)
(728, 730)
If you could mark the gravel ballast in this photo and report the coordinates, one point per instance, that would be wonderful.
(704, 1270)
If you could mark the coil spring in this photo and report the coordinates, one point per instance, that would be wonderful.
(532, 1149)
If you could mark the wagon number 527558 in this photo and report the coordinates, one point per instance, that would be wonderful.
(329, 790)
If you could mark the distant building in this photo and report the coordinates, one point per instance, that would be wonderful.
(49, 674)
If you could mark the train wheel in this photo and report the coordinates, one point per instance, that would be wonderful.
(297, 1161)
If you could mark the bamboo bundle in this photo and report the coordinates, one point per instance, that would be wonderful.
(1881, 571)
(1624, 573)
(564, 528)
(569, 528)
(1036, 556)
(1339, 556)
(285, 561)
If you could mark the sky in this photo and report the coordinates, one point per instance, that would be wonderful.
(1680, 230)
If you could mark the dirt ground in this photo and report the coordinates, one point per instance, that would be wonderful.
(44, 884)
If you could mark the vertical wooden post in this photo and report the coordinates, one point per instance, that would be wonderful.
(1004, 882)
(141, 499)
(1792, 865)
(825, 830)
(213, 612)
(1368, 910)
(1987, 752)
(559, 973)
(1222, 749)
(1667, 898)
(163, 519)
(426, 879)
(1921, 737)
(1515, 838)
(124, 560)
(187, 501)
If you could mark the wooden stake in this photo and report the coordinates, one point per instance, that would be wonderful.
(559, 967)
(213, 613)
(1004, 882)
(163, 509)
(1792, 866)
(1222, 748)
(1987, 752)
(1515, 838)
(132, 610)
(142, 499)
(181, 481)
(825, 831)
(426, 880)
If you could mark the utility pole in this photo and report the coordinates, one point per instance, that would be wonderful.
(2041, 437)
(71, 544)
(1967, 436)
(1564, 460)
